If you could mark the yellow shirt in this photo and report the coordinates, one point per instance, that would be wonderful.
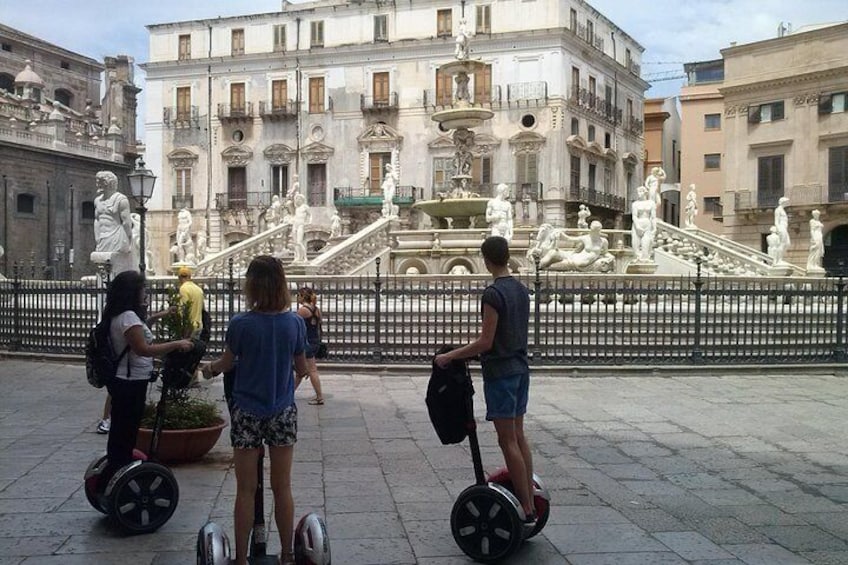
(191, 292)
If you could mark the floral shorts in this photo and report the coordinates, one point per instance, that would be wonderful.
(248, 431)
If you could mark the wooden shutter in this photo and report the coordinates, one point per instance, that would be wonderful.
(777, 111)
(184, 48)
(444, 23)
(444, 88)
(280, 37)
(483, 85)
(380, 84)
(279, 94)
(317, 34)
(183, 103)
(837, 173)
(238, 42)
(484, 19)
(237, 97)
(377, 167)
(316, 95)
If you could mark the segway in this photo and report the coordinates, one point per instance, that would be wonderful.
(143, 495)
(487, 520)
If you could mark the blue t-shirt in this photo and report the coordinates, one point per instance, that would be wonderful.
(265, 346)
(508, 355)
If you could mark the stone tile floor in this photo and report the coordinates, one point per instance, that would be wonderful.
(642, 470)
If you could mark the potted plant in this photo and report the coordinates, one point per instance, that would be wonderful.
(192, 423)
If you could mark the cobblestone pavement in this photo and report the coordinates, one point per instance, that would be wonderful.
(642, 470)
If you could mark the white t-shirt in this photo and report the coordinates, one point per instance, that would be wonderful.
(140, 367)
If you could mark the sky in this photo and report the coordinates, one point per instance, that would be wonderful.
(671, 31)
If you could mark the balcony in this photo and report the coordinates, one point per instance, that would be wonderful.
(595, 197)
(351, 197)
(518, 192)
(584, 98)
(527, 92)
(633, 67)
(481, 99)
(633, 125)
(235, 113)
(376, 104)
(744, 200)
(275, 110)
(181, 117)
(242, 200)
(589, 37)
(180, 201)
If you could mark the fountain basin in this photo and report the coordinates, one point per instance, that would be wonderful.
(459, 210)
(462, 117)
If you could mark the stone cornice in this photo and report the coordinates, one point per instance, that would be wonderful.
(773, 83)
(41, 45)
(838, 30)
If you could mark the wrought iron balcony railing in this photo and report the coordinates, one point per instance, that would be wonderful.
(634, 125)
(584, 98)
(235, 112)
(386, 103)
(518, 192)
(181, 117)
(278, 110)
(351, 196)
(526, 91)
(589, 36)
(595, 197)
(242, 200)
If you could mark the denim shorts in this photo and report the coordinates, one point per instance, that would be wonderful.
(310, 350)
(506, 397)
(248, 431)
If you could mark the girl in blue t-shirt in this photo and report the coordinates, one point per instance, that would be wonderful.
(266, 341)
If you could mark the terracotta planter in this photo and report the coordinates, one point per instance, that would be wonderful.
(181, 446)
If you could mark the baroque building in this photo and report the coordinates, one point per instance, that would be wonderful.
(55, 135)
(323, 94)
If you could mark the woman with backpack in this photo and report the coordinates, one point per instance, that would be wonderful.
(311, 314)
(126, 306)
(263, 344)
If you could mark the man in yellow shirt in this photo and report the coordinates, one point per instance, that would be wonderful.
(193, 294)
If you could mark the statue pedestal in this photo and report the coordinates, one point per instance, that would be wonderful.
(780, 270)
(815, 273)
(118, 262)
(642, 268)
(298, 268)
(175, 267)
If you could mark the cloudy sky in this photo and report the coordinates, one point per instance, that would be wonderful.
(672, 31)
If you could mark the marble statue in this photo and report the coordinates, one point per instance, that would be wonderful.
(294, 189)
(112, 225)
(463, 140)
(814, 259)
(461, 50)
(499, 213)
(644, 218)
(136, 243)
(335, 225)
(653, 182)
(200, 246)
(413, 270)
(183, 244)
(691, 207)
(390, 209)
(590, 252)
(459, 269)
(781, 222)
(775, 250)
(274, 213)
(583, 214)
(302, 218)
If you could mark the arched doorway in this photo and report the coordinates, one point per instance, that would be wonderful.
(836, 250)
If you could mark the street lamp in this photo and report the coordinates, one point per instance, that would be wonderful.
(141, 185)
(60, 258)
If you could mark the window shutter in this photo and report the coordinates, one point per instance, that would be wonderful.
(777, 111)
(487, 170)
(532, 168)
(777, 174)
(838, 171)
(754, 114)
(521, 168)
(826, 104)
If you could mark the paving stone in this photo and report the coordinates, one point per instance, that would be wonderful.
(725, 530)
(372, 551)
(726, 497)
(362, 525)
(765, 515)
(628, 471)
(654, 520)
(585, 515)
(765, 554)
(601, 538)
(643, 558)
(691, 545)
(698, 481)
(826, 557)
(803, 538)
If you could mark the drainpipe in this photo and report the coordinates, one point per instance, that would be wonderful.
(614, 123)
(298, 95)
(209, 129)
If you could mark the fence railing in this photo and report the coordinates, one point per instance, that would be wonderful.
(574, 319)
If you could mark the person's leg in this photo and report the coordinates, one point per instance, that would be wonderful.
(245, 462)
(508, 442)
(523, 444)
(127, 409)
(107, 407)
(316, 381)
(281, 465)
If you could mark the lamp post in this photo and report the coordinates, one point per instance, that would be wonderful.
(59, 248)
(141, 185)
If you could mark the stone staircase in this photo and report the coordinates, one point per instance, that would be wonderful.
(269, 242)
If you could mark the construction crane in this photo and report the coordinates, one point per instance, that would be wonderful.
(664, 76)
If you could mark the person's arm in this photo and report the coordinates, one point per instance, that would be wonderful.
(480, 345)
(300, 366)
(220, 365)
(135, 339)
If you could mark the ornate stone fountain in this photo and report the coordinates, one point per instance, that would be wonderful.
(460, 204)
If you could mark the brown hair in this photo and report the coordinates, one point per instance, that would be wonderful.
(265, 285)
(306, 295)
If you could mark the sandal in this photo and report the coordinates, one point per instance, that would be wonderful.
(287, 559)
(316, 401)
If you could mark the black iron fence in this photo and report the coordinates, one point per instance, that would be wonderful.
(574, 319)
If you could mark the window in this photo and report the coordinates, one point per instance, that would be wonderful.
(608, 98)
(280, 37)
(7, 82)
(766, 113)
(183, 103)
(481, 171)
(593, 86)
(237, 187)
(442, 172)
(65, 65)
(279, 94)
(592, 173)
(607, 179)
(575, 81)
(237, 101)
(316, 95)
(575, 126)
(87, 210)
(279, 179)
(444, 23)
(575, 172)
(712, 162)
(484, 19)
(590, 31)
(377, 170)
(591, 134)
(7, 47)
(573, 20)
(837, 176)
(527, 168)
(316, 34)
(316, 178)
(381, 28)
(483, 85)
(712, 205)
(63, 97)
(712, 121)
(380, 88)
(769, 180)
(607, 141)
(628, 58)
(237, 42)
(629, 109)
(26, 204)
(184, 50)
(444, 88)
(833, 103)
(183, 184)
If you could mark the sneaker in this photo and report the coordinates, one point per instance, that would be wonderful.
(530, 520)
(104, 425)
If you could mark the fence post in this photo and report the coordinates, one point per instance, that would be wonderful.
(537, 322)
(15, 342)
(697, 354)
(378, 284)
(231, 285)
(839, 347)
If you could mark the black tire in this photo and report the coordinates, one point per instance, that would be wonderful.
(144, 498)
(91, 483)
(542, 504)
(485, 524)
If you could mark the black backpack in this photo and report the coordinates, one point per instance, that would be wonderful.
(448, 394)
(101, 363)
(206, 331)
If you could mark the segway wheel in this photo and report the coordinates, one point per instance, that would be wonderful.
(213, 546)
(485, 523)
(144, 498)
(91, 482)
(541, 498)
